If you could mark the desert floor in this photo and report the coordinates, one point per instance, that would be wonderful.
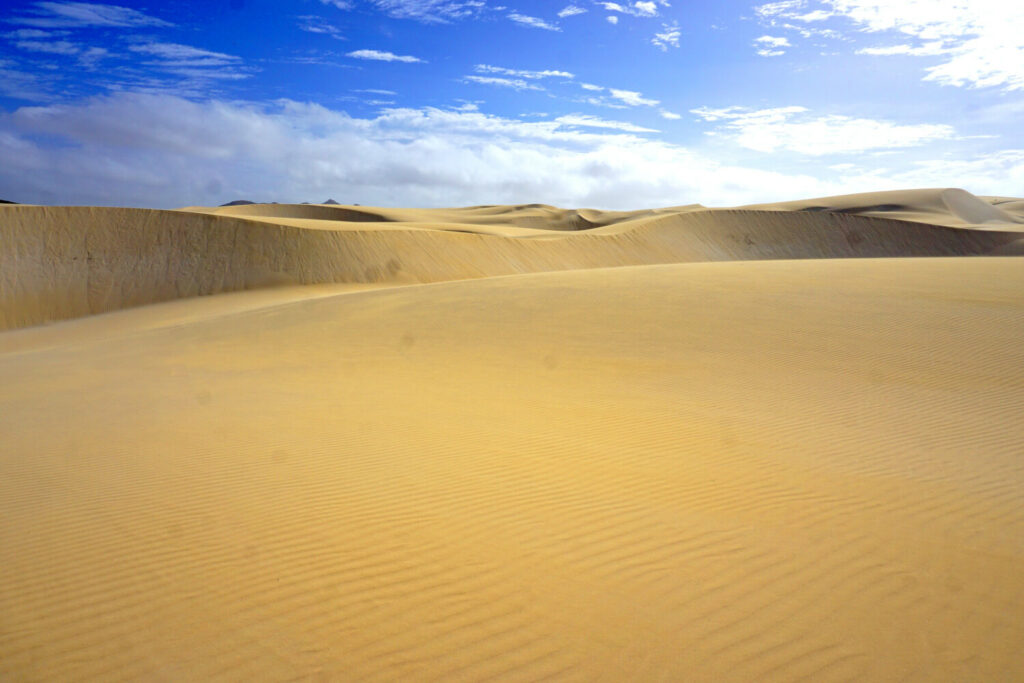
(292, 442)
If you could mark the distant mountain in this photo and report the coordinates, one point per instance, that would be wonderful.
(5, 201)
(330, 201)
(238, 202)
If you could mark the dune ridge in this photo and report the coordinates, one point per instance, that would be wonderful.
(65, 262)
(948, 206)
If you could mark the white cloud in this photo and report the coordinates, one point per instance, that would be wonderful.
(184, 55)
(514, 83)
(794, 129)
(928, 49)
(633, 99)
(79, 14)
(571, 11)
(432, 11)
(93, 56)
(55, 47)
(382, 56)
(769, 45)
(636, 9)
(595, 122)
(192, 63)
(980, 42)
(164, 151)
(132, 150)
(669, 36)
(23, 85)
(315, 24)
(532, 22)
(521, 73)
(665, 114)
(786, 8)
(612, 19)
(340, 4)
(376, 91)
(33, 34)
(772, 41)
(645, 9)
(591, 86)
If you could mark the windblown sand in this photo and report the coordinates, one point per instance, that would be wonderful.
(771, 443)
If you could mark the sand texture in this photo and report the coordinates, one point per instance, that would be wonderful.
(773, 443)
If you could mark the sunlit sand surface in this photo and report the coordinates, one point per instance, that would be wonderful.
(278, 442)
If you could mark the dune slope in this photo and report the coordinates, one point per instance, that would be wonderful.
(66, 262)
(716, 471)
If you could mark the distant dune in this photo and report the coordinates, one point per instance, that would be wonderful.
(327, 442)
(65, 262)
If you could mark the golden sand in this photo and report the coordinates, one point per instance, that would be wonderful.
(739, 455)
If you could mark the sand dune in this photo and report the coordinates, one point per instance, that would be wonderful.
(66, 262)
(951, 207)
(771, 444)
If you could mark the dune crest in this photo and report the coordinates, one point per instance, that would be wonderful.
(951, 207)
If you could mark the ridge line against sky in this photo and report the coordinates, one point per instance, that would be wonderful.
(453, 102)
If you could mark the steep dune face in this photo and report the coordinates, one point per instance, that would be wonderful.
(65, 262)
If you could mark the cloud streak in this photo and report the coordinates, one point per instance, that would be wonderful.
(795, 129)
(532, 22)
(522, 73)
(383, 56)
(82, 14)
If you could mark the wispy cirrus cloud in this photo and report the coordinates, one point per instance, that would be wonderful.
(92, 56)
(33, 34)
(383, 56)
(796, 129)
(978, 43)
(53, 47)
(769, 46)
(632, 98)
(532, 22)
(82, 14)
(513, 83)
(191, 62)
(431, 11)
(522, 73)
(617, 98)
(669, 36)
(176, 54)
(314, 24)
(595, 122)
(647, 8)
(571, 11)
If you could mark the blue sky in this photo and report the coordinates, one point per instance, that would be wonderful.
(456, 102)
